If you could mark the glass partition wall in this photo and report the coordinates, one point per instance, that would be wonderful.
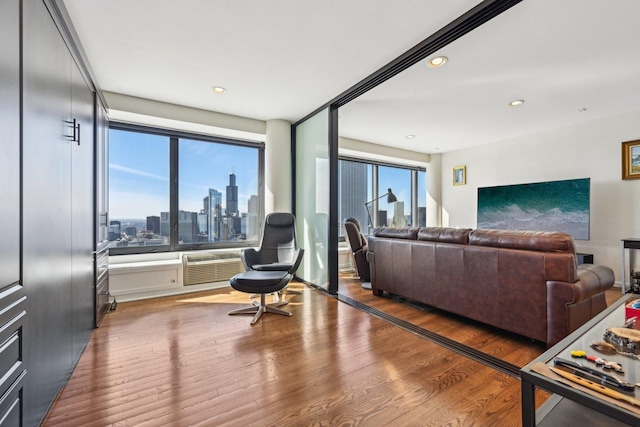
(315, 207)
(315, 169)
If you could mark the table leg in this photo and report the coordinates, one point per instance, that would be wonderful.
(623, 269)
(528, 404)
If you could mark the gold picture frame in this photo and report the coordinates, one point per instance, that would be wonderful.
(631, 160)
(460, 175)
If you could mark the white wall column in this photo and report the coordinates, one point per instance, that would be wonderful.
(277, 168)
(434, 193)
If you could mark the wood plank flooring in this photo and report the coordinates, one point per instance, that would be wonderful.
(182, 361)
(511, 348)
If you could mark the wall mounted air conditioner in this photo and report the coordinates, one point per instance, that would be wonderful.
(210, 267)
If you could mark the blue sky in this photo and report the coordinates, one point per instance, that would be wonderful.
(139, 173)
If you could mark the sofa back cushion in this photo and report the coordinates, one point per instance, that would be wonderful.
(444, 235)
(409, 233)
(541, 241)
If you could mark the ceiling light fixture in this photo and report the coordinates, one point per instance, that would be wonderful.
(410, 136)
(218, 89)
(516, 103)
(438, 61)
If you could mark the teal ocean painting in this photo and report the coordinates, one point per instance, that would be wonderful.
(543, 206)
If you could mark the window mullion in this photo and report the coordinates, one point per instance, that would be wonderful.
(374, 205)
(414, 198)
(173, 193)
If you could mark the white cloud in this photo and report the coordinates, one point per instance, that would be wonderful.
(113, 166)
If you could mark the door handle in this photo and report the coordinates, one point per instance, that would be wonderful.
(75, 137)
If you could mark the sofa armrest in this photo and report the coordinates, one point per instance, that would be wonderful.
(597, 276)
(570, 305)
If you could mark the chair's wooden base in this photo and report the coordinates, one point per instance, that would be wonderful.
(258, 310)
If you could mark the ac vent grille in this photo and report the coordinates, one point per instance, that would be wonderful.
(210, 267)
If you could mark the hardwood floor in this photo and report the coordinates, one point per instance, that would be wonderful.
(183, 361)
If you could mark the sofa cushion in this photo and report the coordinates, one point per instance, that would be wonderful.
(445, 235)
(409, 233)
(541, 241)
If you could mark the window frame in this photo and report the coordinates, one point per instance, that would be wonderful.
(413, 185)
(174, 137)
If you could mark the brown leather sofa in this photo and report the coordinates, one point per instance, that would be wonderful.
(525, 282)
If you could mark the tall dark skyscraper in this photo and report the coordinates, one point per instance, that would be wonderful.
(153, 224)
(353, 192)
(232, 211)
(232, 196)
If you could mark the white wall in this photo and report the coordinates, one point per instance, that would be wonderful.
(590, 150)
(277, 173)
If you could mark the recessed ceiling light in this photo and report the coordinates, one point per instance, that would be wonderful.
(410, 136)
(438, 61)
(218, 89)
(516, 103)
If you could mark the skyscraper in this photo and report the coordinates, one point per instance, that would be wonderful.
(232, 196)
(114, 230)
(253, 229)
(187, 226)
(422, 216)
(232, 212)
(164, 224)
(399, 219)
(153, 224)
(353, 192)
(214, 212)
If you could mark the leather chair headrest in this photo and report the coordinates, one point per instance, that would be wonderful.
(279, 219)
(354, 221)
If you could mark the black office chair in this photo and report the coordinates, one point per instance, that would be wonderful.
(358, 246)
(270, 268)
(277, 250)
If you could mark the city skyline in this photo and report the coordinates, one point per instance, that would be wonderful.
(139, 179)
(213, 222)
(139, 173)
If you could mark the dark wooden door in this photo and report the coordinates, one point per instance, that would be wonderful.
(10, 142)
(82, 211)
(47, 209)
(12, 295)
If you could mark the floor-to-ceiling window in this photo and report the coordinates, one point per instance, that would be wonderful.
(357, 181)
(139, 190)
(398, 213)
(354, 191)
(177, 191)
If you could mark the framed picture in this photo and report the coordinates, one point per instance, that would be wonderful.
(460, 174)
(631, 160)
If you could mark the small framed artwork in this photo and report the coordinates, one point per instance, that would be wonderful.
(631, 160)
(459, 175)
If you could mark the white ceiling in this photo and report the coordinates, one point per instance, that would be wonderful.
(282, 59)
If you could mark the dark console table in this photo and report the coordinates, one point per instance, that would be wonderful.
(573, 405)
(584, 258)
(627, 244)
